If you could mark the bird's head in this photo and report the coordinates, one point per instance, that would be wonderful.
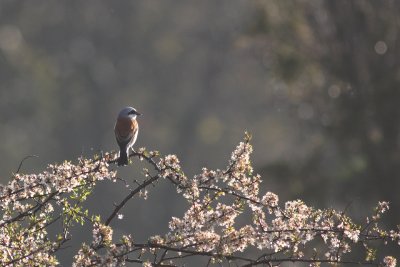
(128, 112)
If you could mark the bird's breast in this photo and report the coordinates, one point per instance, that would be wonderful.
(125, 127)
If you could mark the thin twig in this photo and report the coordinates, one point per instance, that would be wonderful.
(22, 161)
(129, 196)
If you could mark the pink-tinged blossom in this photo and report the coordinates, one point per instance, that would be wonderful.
(102, 234)
(383, 206)
(270, 200)
(226, 215)
(31, 198)
(390, 261)
(353, 235)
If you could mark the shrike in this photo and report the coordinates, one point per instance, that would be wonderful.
(126, 130)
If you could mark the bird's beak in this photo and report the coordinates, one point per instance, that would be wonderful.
(137, 113)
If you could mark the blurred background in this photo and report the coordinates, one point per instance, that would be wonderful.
(316, 83)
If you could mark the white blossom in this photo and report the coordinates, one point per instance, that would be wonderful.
(390, 261)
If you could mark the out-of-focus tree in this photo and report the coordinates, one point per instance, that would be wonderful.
(340, 61)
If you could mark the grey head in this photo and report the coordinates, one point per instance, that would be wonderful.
(128, 112)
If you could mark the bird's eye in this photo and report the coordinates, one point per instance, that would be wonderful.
(131, 112)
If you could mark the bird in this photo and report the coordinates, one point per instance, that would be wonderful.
(126, 131)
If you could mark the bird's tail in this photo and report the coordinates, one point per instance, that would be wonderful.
(123, 157)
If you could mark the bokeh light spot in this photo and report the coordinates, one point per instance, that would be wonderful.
(210, 130)
(381, 47)
(334, 91)
(10, 38)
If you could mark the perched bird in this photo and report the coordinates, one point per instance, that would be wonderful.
(126, 130)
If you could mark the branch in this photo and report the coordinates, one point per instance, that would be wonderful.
(152, 179)
(294, 260)
(22, 161)
(128, 197)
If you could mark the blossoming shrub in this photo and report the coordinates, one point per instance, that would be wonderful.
(216, 199)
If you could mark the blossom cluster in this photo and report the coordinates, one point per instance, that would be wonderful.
(227, 215)
(28, 203)
(218, 199)
(115, 254)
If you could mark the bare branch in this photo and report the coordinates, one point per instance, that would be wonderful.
(22, 161)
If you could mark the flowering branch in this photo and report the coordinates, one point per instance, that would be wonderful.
(228, 219)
